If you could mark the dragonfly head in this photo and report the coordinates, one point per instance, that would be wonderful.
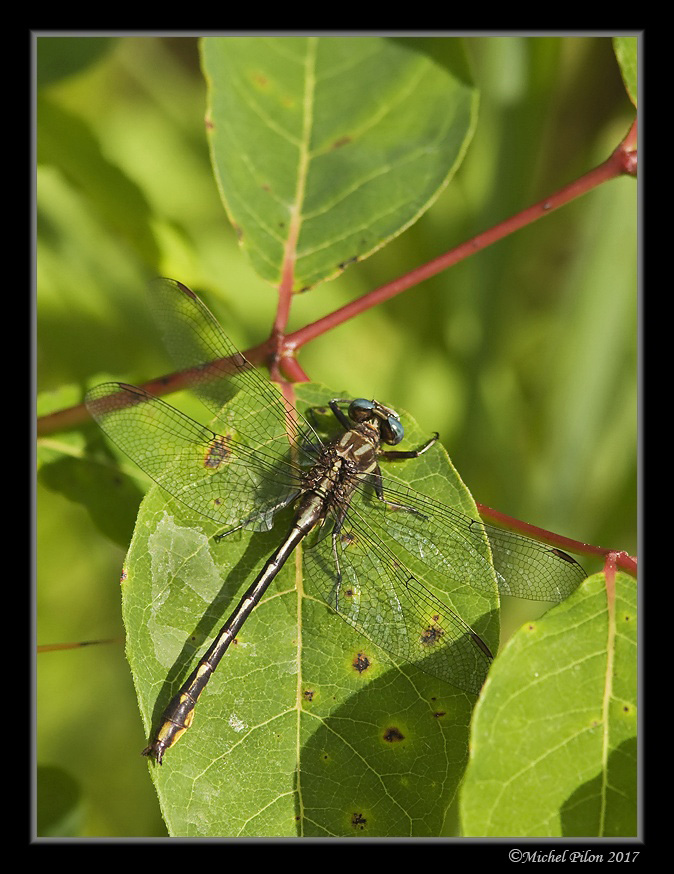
(386, 420)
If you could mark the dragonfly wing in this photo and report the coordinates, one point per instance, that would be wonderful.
(215, 474)
(529, 569)
(381, 598)
(450, 542)
(196, 342)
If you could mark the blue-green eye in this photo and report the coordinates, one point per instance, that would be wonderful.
(392, 431)
(360, 409)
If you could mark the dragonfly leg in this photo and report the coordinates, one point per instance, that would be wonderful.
(400, 454)
(312, 418)
(336, 410)
(310, 413)
(339, 414)
(339, 521)
(267, 515)
(375, 478)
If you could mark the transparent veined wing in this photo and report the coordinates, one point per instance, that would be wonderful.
(196, 342)
(217, 475)
(372, 589)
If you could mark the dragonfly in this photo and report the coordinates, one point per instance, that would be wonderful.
(372, 545)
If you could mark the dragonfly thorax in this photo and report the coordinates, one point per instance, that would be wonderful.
(358, 448)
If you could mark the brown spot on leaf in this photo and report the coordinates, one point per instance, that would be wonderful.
(432, 633)
(393, 735)
(361, 662)
(217, 452)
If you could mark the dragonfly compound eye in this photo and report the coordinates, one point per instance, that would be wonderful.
(360, 409)
(392, 431)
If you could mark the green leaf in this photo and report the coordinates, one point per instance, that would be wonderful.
(306, 728)
(625, 48)
(327, 148)
(554, 733)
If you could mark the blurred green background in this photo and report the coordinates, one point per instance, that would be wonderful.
(523, 357)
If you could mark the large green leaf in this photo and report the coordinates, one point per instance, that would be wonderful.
(554, 734)
(326, 148)
(306, 728)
